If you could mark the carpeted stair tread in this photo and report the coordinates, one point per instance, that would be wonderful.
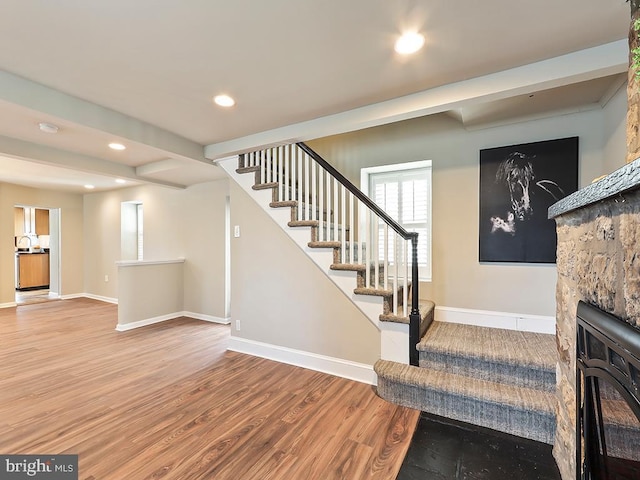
(510, 347)
(284, 204)
(461, 385)
(349, 267)
(426, 308)
(265, 186)
(382, 292)
(255, 168)
(303, 223)
(327, 244)
(521, 411)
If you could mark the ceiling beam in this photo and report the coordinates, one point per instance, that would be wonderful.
(61, 158)
(37, 97)
(596, 62)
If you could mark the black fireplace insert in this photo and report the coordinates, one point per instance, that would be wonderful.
(607, 397)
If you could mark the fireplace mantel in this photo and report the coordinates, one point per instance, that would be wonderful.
(622, 180)
(598, 239)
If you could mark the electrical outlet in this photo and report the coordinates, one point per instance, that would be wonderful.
(106, 278)
(238, 325)
(236, 231)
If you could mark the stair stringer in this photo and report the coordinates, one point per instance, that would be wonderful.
(394, 337)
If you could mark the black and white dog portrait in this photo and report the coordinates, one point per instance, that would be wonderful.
(518, 184)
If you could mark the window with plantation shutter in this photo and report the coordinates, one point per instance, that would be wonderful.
(404, 192)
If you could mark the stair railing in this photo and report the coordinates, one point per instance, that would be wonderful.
(346, 219)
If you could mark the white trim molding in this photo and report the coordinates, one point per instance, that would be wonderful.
(207, 318)
(138, 263)
(8, 305)
(91, 296)
(123, 327)
(486, 318)
(313, 361)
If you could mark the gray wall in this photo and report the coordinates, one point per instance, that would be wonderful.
(72, 245)
(147, 291)
(282, 298)
(459, 280)
(185, 223)
(615, 130)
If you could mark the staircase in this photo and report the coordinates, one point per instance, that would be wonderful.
(362, 250)
(495, 378)
(499, 379)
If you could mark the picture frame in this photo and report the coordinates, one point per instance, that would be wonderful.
(518, 184)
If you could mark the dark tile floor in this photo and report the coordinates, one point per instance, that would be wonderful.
(444, 449)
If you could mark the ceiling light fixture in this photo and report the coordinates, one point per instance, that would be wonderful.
(409, 43)
(116, 146)
(48, 127)
(89, 187)
(120, 181)
(224, 100)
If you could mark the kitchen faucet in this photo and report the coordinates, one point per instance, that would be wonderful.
(20, 240)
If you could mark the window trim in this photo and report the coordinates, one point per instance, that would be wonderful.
(424, 273)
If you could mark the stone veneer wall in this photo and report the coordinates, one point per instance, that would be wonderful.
(598, 261)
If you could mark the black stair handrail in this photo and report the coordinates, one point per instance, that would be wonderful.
(414, 316)
(358, 193)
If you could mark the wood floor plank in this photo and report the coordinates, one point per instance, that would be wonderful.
(169, 401)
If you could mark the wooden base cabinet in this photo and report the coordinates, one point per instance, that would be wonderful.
(33, 270)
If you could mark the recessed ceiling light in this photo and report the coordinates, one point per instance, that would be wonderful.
(409, 43)
(48, 127)
(116, 146)
(89, 187)
(224, 100)
(120, 180)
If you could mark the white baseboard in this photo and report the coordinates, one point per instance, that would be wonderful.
(91, 296)
(487, 318)
(207, 318)
(8, 305)
(320, 363)
(123, 327)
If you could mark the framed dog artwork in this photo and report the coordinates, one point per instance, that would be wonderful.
(518, 184)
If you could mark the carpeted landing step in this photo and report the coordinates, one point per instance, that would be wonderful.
(520, 411)
(499, 379)
(507, 356)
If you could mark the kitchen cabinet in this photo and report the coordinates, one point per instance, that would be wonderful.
(31, 221)
(33, 270)
(18, 216)
(42, 221)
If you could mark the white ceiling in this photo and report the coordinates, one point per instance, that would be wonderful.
(143, 72)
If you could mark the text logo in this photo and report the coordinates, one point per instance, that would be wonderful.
(39, 467)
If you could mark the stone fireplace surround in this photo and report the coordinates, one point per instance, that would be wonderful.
(598, 261)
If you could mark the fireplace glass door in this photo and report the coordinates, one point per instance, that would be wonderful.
(608, 397)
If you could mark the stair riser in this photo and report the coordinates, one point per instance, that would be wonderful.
(517, 375)
(362, 277)
(534, 425)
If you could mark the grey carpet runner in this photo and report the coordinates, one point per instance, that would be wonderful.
(495, 378)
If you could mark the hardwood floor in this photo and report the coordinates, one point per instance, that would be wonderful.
(168, 401)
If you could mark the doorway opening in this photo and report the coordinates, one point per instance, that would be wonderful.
(37, 254)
